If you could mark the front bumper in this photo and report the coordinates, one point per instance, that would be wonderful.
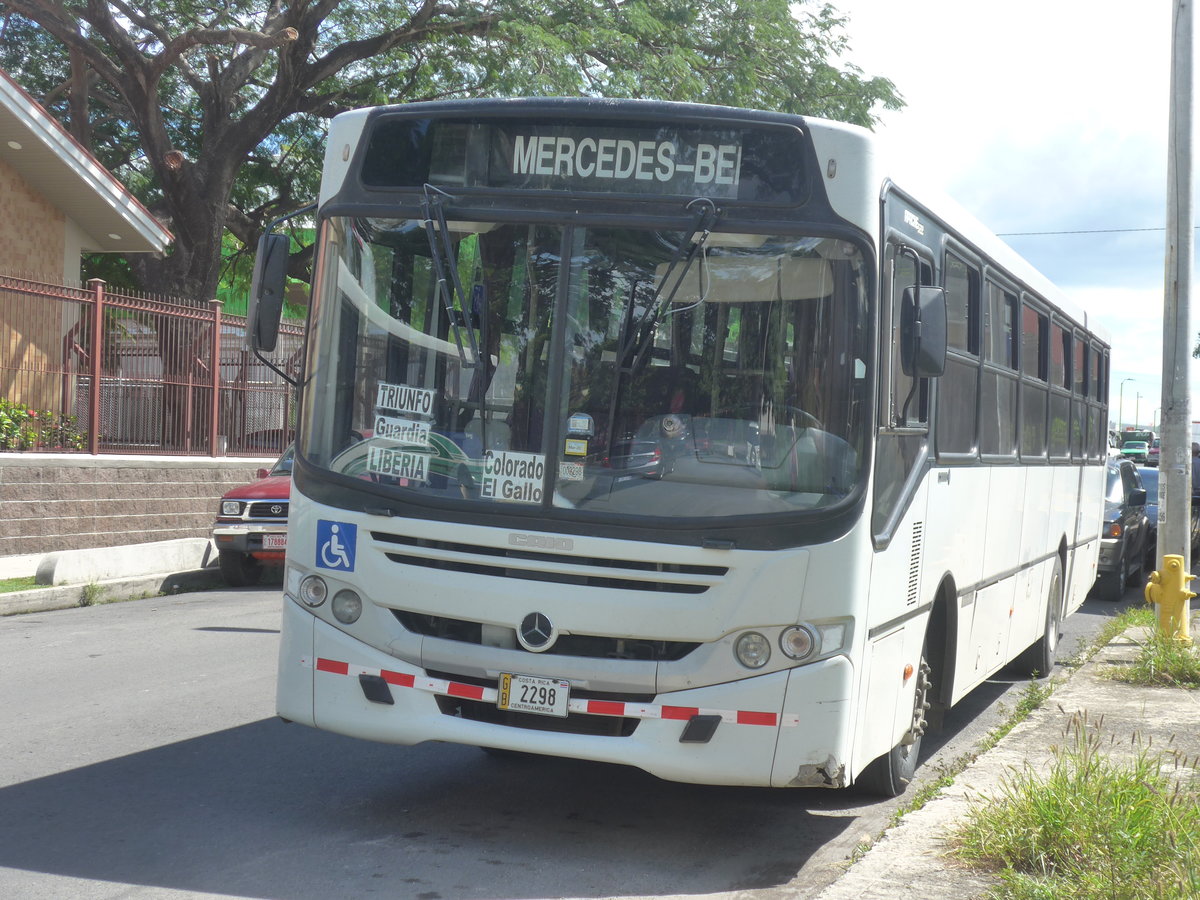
(775, 730)
(1111, 553)
(251, 538)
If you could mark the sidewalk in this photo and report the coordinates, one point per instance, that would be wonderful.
(912, 859)
(85, 577)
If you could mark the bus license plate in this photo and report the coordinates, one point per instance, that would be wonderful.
(527, 693)
(274, 541)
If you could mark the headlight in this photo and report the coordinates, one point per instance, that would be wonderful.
(313, 591)
(797, 642)
(346, 606)
(752, 650)
(1112, 529)
(231, 507)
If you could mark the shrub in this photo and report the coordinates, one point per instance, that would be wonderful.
(25, 428)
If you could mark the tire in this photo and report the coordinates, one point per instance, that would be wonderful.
(239, 569)
(890, 774)
(1139, 572)
(1112, 587)
(1038, 658)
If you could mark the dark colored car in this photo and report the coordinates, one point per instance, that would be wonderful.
(251, 527)
(1149, 476)
(632, 456)
(1123, 539)
(1154, 453)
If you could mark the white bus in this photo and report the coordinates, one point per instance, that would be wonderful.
(675, 436)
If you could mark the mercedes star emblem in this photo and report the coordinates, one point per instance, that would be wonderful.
(536, 632)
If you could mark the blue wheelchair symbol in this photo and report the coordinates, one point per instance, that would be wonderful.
(336, 543)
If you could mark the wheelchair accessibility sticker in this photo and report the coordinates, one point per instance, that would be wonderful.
(336, 542)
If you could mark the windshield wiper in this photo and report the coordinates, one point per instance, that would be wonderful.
(445, 269)
(704, 217)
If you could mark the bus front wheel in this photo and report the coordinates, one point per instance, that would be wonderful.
(890, 774)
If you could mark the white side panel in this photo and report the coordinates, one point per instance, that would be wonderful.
(954, 540)
(1002, 535)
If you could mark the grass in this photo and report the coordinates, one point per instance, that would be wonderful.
(1093, 827)
(1162, 661)
(90, 594)
(1032, 696)
(8, 585)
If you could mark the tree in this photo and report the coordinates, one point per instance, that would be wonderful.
(211, 113)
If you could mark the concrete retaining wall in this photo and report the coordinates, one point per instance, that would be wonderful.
(51, 502)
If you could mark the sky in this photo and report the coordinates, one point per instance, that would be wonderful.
(1047, 116)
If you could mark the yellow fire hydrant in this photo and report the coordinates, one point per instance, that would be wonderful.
(1168, 589)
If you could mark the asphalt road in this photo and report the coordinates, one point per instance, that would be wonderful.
(140, 757)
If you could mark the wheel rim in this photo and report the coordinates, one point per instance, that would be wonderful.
(1055, 607)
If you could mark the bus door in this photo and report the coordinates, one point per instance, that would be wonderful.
(898, 509)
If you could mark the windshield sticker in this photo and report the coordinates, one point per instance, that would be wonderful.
(398, 463)
(581, 423)
(514, 477)
(570, 471)
(405, 399)
(336, 544)
(404, 431)
(575, 447)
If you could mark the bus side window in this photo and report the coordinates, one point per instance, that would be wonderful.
(998, 391)
(958, 388)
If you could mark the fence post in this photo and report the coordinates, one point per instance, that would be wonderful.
(97, 352)
(215, 406)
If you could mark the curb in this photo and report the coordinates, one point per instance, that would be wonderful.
(111, 590)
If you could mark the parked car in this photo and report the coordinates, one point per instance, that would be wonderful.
(1149, 477)
(251, 527)
(1154, 453)
(1138, 451)
(1123, 540)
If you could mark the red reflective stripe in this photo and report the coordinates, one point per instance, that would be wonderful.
(756, 718)
(397, 678)
(470, 691)
(679, 712)
(606, 707)
(332, 665)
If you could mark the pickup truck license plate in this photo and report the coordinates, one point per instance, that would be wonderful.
(528, 693)
(274, 541)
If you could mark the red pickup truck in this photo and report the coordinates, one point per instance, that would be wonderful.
(251, 527)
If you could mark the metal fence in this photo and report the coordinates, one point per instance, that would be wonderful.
(86, 370)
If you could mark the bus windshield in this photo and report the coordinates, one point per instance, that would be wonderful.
(611, 369)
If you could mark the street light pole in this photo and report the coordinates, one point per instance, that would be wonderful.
(1137, 416)
(1175, 484)
(1121, 408)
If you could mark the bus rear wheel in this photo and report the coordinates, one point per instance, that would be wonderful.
(890, 774)
(1038, 657)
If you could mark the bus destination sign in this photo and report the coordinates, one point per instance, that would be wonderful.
(565, 157)
(721, 160)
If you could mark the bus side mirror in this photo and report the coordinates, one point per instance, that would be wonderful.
(923, 331)
(265, 306)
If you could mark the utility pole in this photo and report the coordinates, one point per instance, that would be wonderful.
(1175, 486)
